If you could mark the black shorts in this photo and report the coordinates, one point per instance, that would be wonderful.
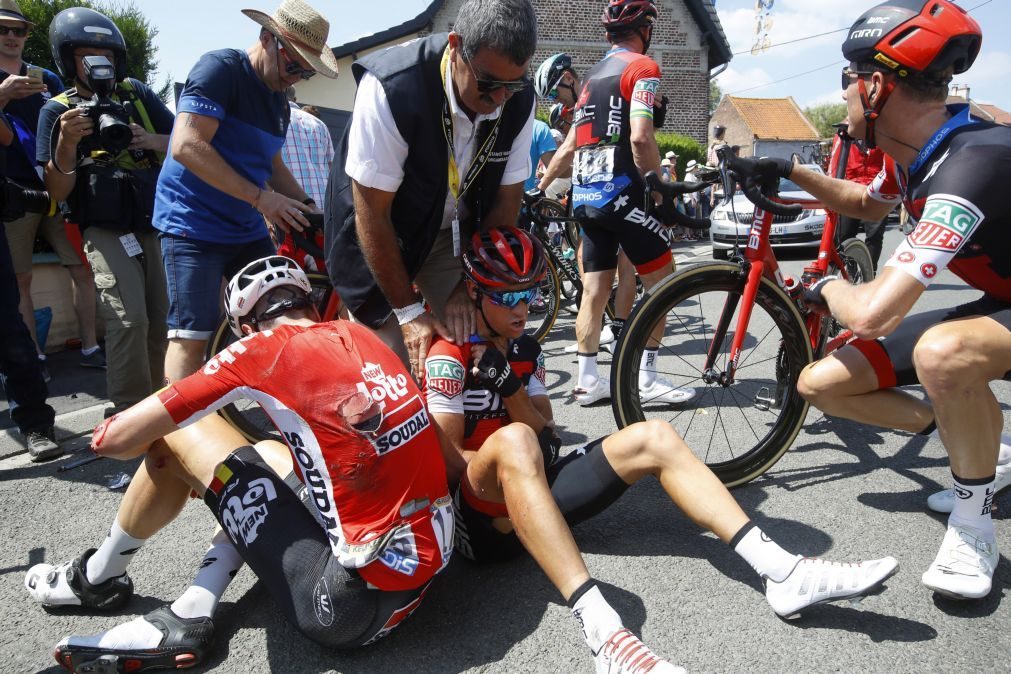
(892, 356)
(623, 222)
(276, 534)
(582, 483)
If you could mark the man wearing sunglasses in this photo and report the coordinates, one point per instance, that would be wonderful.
(224, 174)
(489, 399)
(437, 147)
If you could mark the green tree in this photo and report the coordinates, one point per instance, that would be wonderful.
(715, 94)
(137, 31)
(824, 116)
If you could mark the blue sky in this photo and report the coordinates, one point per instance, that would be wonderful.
(188, 28)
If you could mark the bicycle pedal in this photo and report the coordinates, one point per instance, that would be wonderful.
(763, 399)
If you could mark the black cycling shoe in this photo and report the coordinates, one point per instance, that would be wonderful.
(105, 596)
(184, 644)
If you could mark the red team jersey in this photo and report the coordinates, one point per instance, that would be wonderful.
(382, 497)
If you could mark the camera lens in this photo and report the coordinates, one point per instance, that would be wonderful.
(115, 135)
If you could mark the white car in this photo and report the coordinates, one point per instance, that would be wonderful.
(732, 222)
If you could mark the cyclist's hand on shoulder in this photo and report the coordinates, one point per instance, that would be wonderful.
(459, 315)
(418, 336)
(283, 211)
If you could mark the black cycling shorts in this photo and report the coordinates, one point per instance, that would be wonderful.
(278, 537)
(583, 483)
(892, 356)
(623, 222)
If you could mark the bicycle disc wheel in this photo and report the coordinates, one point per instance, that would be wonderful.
(544, 311)
(245, 415)
(739, 429)
(856, 257)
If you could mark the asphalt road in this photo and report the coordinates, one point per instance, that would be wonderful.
(844, 492)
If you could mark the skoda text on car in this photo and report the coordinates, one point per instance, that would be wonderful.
(732, 222)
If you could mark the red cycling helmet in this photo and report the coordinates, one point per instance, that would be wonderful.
(626, 14)
(504, 256)
(915, 36)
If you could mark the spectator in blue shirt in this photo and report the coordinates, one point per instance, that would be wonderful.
(224, 173)
(542, 149)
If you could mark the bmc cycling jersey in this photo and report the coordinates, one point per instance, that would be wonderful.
(452, 388)
(381, 495)
(608, 194)
(955, 193)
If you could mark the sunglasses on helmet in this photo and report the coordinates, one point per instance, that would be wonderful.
(511, 298)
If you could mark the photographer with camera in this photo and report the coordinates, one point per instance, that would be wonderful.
(102, 145)
(24, 89)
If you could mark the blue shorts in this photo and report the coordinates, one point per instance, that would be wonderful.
(193, 273)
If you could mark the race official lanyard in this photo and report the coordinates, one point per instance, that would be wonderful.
(960, 117)
(456, 188)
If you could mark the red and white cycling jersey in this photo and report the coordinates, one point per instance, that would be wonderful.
(955, 196)
(382, 497)
(451, 387)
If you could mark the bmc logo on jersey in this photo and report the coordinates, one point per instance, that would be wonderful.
(444, 376)
(946, 223)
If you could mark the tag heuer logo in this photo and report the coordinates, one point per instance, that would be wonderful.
(946, 223)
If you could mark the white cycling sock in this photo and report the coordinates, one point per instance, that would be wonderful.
(763, 554)
(588, 376)
(598, 620)
(973, 501)
(219, 566)
(647, 368)
(113, 556)
(88, 352)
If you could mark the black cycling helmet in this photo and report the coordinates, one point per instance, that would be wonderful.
(504, 256)
(83, 27)
(914, 36)
(622, 15)
(550, 72)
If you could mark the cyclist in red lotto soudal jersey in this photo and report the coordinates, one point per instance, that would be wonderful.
(610, 147)
(489, 399)
(347, 544)
(948, 168)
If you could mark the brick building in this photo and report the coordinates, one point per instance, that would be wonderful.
(688, 43)
(765, 127)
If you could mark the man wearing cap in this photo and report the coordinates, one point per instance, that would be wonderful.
(224, 173)
(24, 89)
(438, 146)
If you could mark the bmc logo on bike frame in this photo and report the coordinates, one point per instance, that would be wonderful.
(755, 236)
(947, 221)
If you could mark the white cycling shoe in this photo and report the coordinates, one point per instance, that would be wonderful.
(944, 501)
(599, 391)
(624, 653)
(662, 391)
(816, 581)
(963, 568)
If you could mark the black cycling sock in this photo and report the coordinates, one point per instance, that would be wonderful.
(929, 429)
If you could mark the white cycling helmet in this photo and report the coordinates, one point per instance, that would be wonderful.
(255, 280)
(549, 72)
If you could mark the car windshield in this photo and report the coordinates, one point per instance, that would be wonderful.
(789, 186)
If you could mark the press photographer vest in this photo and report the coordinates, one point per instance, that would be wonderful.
(114, 192)
(410, 74)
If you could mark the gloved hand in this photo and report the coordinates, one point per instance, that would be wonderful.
(495, 372)
(812, 296)
(765, 171)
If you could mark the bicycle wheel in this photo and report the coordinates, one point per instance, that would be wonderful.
(739, 430)
(544, 312)
(245, 415)
(857, 259)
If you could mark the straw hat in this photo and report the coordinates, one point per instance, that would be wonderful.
(9, 11)
(691, 164)
(301, 28)
(671, 155)
(665, 162)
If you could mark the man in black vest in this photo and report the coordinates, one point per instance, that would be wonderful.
(437, 147)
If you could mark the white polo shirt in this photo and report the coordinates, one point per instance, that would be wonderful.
(377, 152)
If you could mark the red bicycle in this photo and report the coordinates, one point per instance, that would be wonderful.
(737, 332)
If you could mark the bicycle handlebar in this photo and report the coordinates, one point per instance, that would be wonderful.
(755, 189)
(669, 214)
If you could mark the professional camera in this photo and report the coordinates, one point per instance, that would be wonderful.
(15, 201)
(112, 127)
